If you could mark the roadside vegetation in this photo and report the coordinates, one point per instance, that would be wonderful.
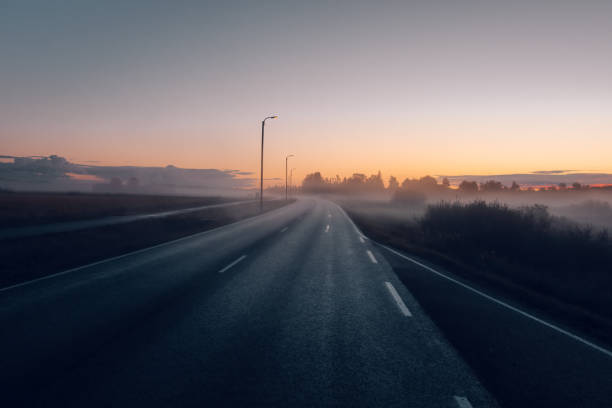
(549, 261)
(25, 208)
(23, 259)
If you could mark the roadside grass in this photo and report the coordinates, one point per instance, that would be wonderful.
(30, 208)
(24, 259)
(557, 266)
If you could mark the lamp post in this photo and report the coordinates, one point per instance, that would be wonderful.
(286, 185)
(291, 177)
(263, 124)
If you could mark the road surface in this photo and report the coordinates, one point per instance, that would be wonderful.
(523, 359)
(290, 308)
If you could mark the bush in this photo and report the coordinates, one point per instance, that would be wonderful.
(526, 245)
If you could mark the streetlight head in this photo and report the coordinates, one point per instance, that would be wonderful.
(274, 117)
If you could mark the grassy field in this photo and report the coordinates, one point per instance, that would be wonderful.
(24, 259)
(25, 209)
(548, 262)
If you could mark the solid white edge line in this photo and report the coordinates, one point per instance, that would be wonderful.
(327, 228)
(398, 300)
(362, 240)
(371, 255)
(462, 402)
(504, 304)
(350, 220)
(232, 264)
(284, 229)
(138, 251)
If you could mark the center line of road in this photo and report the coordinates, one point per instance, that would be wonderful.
(371, 255)
(327, 228)
(463, 402)
(232, 264)
(329, 215)
(398, 300)
(284, 229)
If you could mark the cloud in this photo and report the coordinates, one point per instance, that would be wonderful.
(552, 171)
(57, 174)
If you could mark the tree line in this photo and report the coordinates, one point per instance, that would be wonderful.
(361, 183)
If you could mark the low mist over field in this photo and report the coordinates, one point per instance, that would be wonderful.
(565, 195)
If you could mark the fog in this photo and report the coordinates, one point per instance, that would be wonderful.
(55, 173)
(571, 201)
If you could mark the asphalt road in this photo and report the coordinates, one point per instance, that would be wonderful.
(522, 357)
(290, 308)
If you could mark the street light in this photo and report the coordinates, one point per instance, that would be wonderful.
(263, 124)
(286, 185)
(291, 177)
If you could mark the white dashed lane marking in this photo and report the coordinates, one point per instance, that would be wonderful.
(462, 402)
(398, 300)
(232, 264)
(504, 304)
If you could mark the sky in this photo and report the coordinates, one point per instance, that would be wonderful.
(405, 87)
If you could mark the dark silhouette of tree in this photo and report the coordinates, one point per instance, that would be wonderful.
(428, 181)
(468, 186)
(445, 182)
(576, 186)
(410, 184)
(515, 186)
(313, 183)
(357, 183)
(393, 184)
(357, 179)
(491, 186)
(562, 186)
(375, 182)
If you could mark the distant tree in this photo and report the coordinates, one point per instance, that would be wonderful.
(428, 181)
(576, 186)
(313, 182)
(491, 186)
(410, 184)
(562, 186)
(393, 184)
(375, 182)
(515, 186)
(445, 182)
(357, 179)
(468, 186)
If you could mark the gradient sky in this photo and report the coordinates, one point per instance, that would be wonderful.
(408, 88)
